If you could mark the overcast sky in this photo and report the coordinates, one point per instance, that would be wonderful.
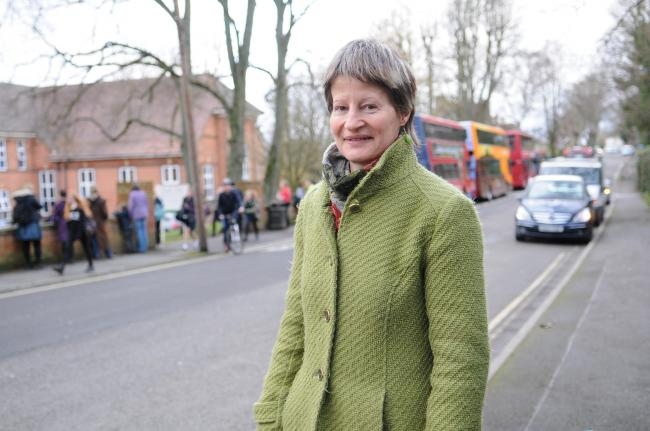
(577, 25)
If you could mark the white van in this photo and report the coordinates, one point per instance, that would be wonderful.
(591, 171)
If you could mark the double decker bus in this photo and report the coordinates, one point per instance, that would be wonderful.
(524, 161)
(489, 159)
(442, 150)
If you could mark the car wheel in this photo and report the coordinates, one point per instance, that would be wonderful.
(588, 235)
(520, 237)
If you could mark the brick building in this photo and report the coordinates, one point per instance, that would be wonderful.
(76, 137)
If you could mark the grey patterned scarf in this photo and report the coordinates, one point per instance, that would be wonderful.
(337, 174)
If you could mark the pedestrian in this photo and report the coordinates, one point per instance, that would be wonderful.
(251, 213)
(158, 213)
(297, 197)
(78, 217)
(125, 226)
(139, 212)
(62, 234)
(285, 196)
(26, 214)
(385, 323)
(229, 206)
(99, 240)
(188, 220)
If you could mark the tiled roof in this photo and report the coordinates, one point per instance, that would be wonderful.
(15, 108)
(82, 122)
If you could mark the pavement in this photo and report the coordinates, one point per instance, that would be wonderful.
(584, 364)
(170, 253)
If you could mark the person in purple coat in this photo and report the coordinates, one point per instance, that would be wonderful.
(139, 212)
(62, 233)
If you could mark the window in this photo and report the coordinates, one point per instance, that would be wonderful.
(21, 155)
(47, 187)
(208, 181)
(170, 175)
(127, 174)
(3, 155)
(86, 181)
(5, 208)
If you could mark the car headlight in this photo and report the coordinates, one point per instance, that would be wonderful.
(583, 216)
(522, 213)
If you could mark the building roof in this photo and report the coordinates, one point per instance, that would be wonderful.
(108, 120)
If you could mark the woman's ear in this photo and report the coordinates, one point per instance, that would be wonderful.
(403, 119)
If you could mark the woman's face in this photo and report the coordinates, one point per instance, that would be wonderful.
(363, 120)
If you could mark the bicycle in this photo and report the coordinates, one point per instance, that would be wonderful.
(232, 236)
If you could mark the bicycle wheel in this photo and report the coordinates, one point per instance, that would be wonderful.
(236, 244)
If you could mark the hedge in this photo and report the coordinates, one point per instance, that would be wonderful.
(643, 170)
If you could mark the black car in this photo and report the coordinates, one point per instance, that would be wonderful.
(555, 206)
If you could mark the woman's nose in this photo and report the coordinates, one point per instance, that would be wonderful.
(353, 120)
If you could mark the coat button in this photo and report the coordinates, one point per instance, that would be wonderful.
(319, 375)
(355, 207)
(327, 316)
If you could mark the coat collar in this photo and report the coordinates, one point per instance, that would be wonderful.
(397, 162)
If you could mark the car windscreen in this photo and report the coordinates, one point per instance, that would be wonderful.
(589, 175)
(556, 190)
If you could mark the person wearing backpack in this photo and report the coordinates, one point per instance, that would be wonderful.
(26, 215)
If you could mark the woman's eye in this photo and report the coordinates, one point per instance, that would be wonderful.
(339, 108)
(369, 107)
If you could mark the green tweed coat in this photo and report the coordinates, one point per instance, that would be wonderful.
(385, 325)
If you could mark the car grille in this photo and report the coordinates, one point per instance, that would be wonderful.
(550, 217)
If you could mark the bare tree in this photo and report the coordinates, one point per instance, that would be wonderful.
(628, 52)
(428, 38)
(308, 134)
(115, 58)
(397, 31)
(585, 109)
(548, 85)
(480, 32)
(183, 27)
(286, 19)
(238, 54)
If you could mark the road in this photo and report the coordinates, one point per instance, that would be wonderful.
(186, 347)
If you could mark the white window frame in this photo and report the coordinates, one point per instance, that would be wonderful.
(86, 178)
(3, 155)
(170, 175)
(127, 174)
(208, 181)
(21, 155)
(47, 189)
(245, 175)
(5, 208)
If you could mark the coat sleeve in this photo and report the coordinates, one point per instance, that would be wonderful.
(456, 308)
(287, 354)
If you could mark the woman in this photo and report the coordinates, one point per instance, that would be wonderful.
(385, 325)
(77, 215)
(26, 214)
(251, 213)
(189, 220)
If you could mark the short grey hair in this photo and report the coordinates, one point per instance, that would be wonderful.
(374, 62)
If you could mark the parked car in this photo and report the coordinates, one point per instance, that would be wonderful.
(555, 206)
(591, 171)
(628, 150)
